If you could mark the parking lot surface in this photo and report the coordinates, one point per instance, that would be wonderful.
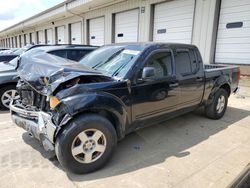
(188, 151)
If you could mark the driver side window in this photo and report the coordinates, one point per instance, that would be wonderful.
(162, 64)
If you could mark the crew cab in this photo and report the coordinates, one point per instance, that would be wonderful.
(82, 110)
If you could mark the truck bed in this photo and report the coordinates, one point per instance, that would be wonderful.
(213, 67)
(214, 72)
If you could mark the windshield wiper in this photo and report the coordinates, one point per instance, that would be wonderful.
(111, 57)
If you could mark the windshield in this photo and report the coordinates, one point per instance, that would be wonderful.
(111, 60)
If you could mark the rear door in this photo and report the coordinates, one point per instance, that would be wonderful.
(158, 95)
(190, 74)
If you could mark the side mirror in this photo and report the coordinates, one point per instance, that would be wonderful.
(148, 72)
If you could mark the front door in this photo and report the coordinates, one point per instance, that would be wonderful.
(159, 94)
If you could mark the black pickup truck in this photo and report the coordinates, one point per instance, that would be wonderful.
(82, 110)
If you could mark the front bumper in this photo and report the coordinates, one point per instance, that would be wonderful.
(39, 124)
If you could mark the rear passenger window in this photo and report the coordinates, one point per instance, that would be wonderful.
(76, 55)
(60, 53)
(185, 62)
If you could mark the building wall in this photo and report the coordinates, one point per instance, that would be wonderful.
(204, 26)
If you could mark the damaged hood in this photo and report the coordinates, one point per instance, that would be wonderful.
(45, 72)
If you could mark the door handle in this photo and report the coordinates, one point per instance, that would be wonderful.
(199, 79)
(173, 85)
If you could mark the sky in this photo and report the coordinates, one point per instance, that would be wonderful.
(14, 11)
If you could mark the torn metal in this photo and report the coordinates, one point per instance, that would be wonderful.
(45, 72)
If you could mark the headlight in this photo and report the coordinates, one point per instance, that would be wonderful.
(53, 102)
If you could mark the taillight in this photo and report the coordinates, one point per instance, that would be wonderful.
(238, 75)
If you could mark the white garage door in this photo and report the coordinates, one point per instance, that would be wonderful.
(96, 31)
(126, 26)
(76, 33)
(27, 39)
(33, 38)
(49, 36)
(173, 21)
(61, 35)
(17, 42)
(40, 37)
(22, 40)
(233, 37)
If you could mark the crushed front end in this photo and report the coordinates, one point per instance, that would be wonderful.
(31, 112)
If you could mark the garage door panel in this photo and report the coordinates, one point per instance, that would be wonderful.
(40, 37)
(96, 31)
(239, 55)
(233, 48)
(27, 38)
(177, 11)
(231, 33)
(178, 29)
(175, 17)
(246, 24)
(61, 35)
(243, 8)
(173, 21)
(234, 3)
(233, 60)
(233, 44)
(173, 24)
(33, 37)
(235, 16)
(22, 41)
(241, 40)
(49, 35)
(126, 26)
(176, 38)
(76, 33)
(175, 4)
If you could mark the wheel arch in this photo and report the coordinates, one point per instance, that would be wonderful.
(7, 84)
(105, 106)
(110, 116)
(226, 87)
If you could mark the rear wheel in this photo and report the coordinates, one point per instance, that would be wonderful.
(7, 94)
(217, 108)
(86, 144)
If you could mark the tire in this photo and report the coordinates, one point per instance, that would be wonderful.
(4, 93)
(69, 140)
(212, 111)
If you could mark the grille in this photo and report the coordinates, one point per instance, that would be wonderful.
(31, 98)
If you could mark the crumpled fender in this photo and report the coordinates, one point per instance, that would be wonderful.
(85, 102)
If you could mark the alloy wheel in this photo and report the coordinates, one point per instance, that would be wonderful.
(88, 146)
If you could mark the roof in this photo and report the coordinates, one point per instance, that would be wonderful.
(55, 47)
(148, 44)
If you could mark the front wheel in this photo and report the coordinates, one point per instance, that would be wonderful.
(217, 108)
(86, 144)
